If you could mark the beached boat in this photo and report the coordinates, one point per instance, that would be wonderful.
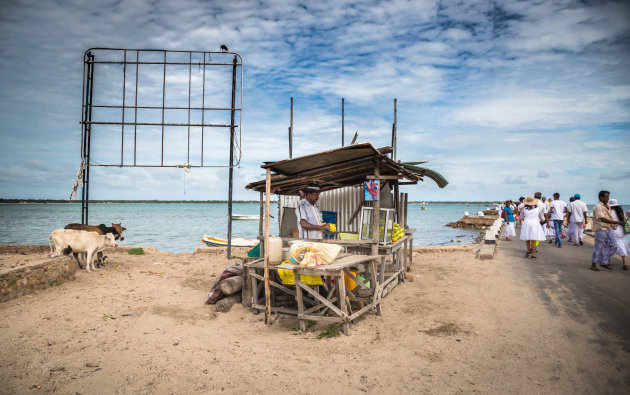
(243, 217)
(222, 242)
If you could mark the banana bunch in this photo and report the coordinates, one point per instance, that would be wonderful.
(331, 227)
(398, 232)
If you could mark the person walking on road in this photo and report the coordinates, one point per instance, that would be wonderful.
(558, 210)
(622, 245)
(577, 217)
(532, 231)
(604, 227)
(509, 220)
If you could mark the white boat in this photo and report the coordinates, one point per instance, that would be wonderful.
(222, 242)
(244, 217)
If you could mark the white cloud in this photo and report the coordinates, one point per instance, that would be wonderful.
(483, 87)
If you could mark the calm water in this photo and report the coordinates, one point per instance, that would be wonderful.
(179, 227)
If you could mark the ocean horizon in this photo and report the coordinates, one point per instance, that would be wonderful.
(179, 227)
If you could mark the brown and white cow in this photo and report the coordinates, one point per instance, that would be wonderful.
(115, 229)
(80, 241)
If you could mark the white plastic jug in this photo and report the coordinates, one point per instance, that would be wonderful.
(275, 250)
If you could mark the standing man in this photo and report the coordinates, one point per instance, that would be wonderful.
(543, 207)
(558, 210)
(577, 216)
(604, 227)
(309, 217)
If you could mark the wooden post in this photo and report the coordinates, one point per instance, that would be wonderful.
(397, 201)
(394, 131)
(267, 287)
(342, 119)
(376, 221)
(376, 213)
(261, 219)
(291, 132)
(405, 206)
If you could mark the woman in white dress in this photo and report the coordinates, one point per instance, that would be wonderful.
(622, 245)
(531, 230)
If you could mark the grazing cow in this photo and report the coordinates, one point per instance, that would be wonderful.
(115, 229)
(80, 241)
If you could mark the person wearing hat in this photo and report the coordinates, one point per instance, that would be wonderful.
(558, 210)
(617, 214)
(604, 226)
(309, 217)
(531, 229)
(577, 217)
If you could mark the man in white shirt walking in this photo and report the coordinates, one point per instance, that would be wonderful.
(577, 216)
(558, 209)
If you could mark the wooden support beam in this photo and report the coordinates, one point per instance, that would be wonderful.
(375, 177)
(267, 219)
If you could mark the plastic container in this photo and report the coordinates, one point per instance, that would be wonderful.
(286, 253)
(275, 250)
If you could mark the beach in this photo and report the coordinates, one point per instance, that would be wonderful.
(140, 325)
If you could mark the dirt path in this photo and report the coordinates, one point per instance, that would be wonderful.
(462, 325)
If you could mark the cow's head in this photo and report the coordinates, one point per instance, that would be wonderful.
(110, 241)
(118, 231)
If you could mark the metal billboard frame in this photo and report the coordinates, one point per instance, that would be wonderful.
(124, 57)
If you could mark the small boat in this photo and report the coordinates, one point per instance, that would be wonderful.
(423, 207)
(212, 241)
(243, 217)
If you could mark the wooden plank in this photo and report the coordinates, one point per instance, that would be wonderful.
(274, 309)
(381, 273)
(369, 307)
(314, 308)
(317, 296)
(381, 177)
(360, 284)
(393, 277)
(375, 287)
(300, 302)
(308, 317)
(255, 289)
(276, 285)
(341, 297)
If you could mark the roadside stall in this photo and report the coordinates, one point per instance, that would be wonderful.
(360, 195)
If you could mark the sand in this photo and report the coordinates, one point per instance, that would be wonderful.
(461, 325)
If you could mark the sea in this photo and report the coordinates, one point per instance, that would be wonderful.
(179, 227)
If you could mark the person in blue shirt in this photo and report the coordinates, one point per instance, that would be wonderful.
(509, 220)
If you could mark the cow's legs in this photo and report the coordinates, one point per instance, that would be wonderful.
(90, 260)
(76, 258)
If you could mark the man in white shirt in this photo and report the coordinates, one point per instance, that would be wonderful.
(577, 216)
(309, 217)
(558, 209)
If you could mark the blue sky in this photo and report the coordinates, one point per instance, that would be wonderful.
(503, 98)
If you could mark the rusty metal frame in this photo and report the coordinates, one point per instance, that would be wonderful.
(124, 57)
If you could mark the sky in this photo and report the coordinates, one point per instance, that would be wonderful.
(503, 98)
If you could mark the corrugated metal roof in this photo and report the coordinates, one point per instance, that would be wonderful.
(322, 159)
(341, 167)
